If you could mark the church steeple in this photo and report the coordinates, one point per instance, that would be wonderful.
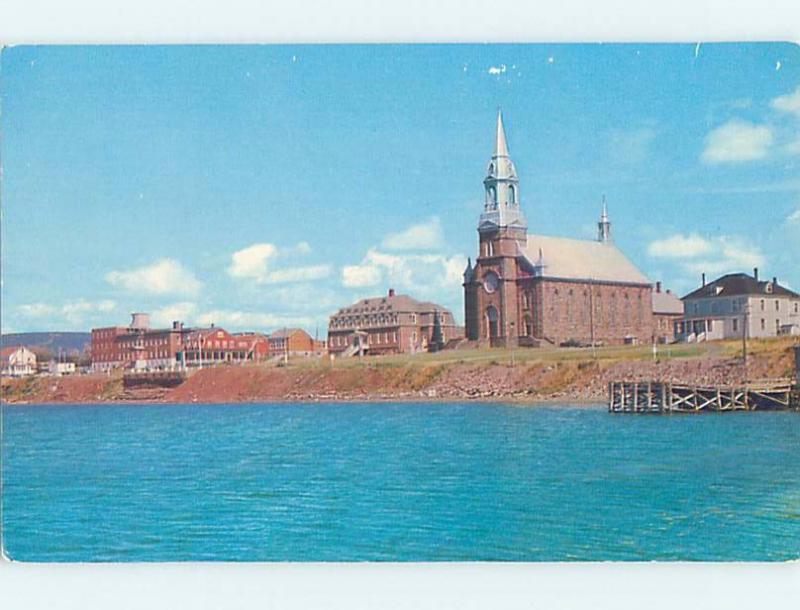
(501, 185)
(604, 226)
(500, 146)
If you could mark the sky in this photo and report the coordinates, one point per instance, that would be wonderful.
(258, 187)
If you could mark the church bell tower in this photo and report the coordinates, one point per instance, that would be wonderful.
(490, 287)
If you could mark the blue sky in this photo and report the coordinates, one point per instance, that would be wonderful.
(263, 186)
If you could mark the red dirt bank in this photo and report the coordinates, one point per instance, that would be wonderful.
(569, 380)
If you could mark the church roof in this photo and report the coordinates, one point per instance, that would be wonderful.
(580, 259)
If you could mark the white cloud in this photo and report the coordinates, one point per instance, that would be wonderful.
(421, 274)
(361, 276)
(73, 313)
(680, 246)
(297, 274)
(254, 263)
(794, 217)
(231, 319)
(788, 103)
(713, 255)
(37, 310)
(423, 236)
(737, 141)
(497, 69)
(165, 276)
(251, 262)
(181, 312)
(793, 148)
(631, 146)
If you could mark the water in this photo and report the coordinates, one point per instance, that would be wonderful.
(401, 482)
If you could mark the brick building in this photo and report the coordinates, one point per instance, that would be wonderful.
(526, 289)
(214, 345)
(667, 312)
(395, 323)
(138, 346)
(290, 342)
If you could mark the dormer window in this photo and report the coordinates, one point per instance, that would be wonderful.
(768, 288)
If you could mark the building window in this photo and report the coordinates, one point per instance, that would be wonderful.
(735, 325)
(763, 322)
(512, 196)
(777, 305)
(762, 304)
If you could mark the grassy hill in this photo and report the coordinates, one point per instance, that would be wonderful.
(73, 343)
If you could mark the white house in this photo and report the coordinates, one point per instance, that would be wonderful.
(17, 361)
(737, 304)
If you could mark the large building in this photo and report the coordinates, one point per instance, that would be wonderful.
(138, 346)
(529, 289)
(738, 304)
(395, 323)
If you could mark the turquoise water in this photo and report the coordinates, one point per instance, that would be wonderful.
(400, 482)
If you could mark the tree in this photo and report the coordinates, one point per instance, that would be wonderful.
(437, 339)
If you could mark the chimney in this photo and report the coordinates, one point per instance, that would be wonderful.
(391, 292)
(704, 279)
(755, 273)
(669, 291)
(658, 286)
(775, 279)
(176, 325)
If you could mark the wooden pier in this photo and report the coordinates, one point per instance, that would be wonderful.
(659, 397)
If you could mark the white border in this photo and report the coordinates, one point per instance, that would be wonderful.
(197, 586)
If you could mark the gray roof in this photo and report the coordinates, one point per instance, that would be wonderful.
(667, 303)
(285, 332)
(581, 259)
(398, 303)
(736, 284)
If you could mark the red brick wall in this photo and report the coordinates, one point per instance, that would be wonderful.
(562, 312)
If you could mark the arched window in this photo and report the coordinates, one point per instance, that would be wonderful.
(491, 169)
(512, 195)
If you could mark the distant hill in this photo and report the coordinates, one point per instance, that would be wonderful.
(74, 343)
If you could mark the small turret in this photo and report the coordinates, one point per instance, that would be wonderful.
(604, 226)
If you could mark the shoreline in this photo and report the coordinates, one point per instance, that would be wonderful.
(537, 378)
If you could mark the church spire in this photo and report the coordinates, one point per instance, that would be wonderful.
(500, 146)
(501, 186)
(604, 226)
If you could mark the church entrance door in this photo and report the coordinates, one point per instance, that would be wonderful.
(492, 322)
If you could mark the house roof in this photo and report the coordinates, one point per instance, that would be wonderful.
(581, 259)
(285, 332)
(740, 284)
(666, 303)
(396, 303)
(6, 352)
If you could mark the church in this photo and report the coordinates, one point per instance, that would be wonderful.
(532, 290)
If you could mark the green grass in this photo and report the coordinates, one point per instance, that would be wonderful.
(504, 356)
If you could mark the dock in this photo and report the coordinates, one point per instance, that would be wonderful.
(658, 397)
